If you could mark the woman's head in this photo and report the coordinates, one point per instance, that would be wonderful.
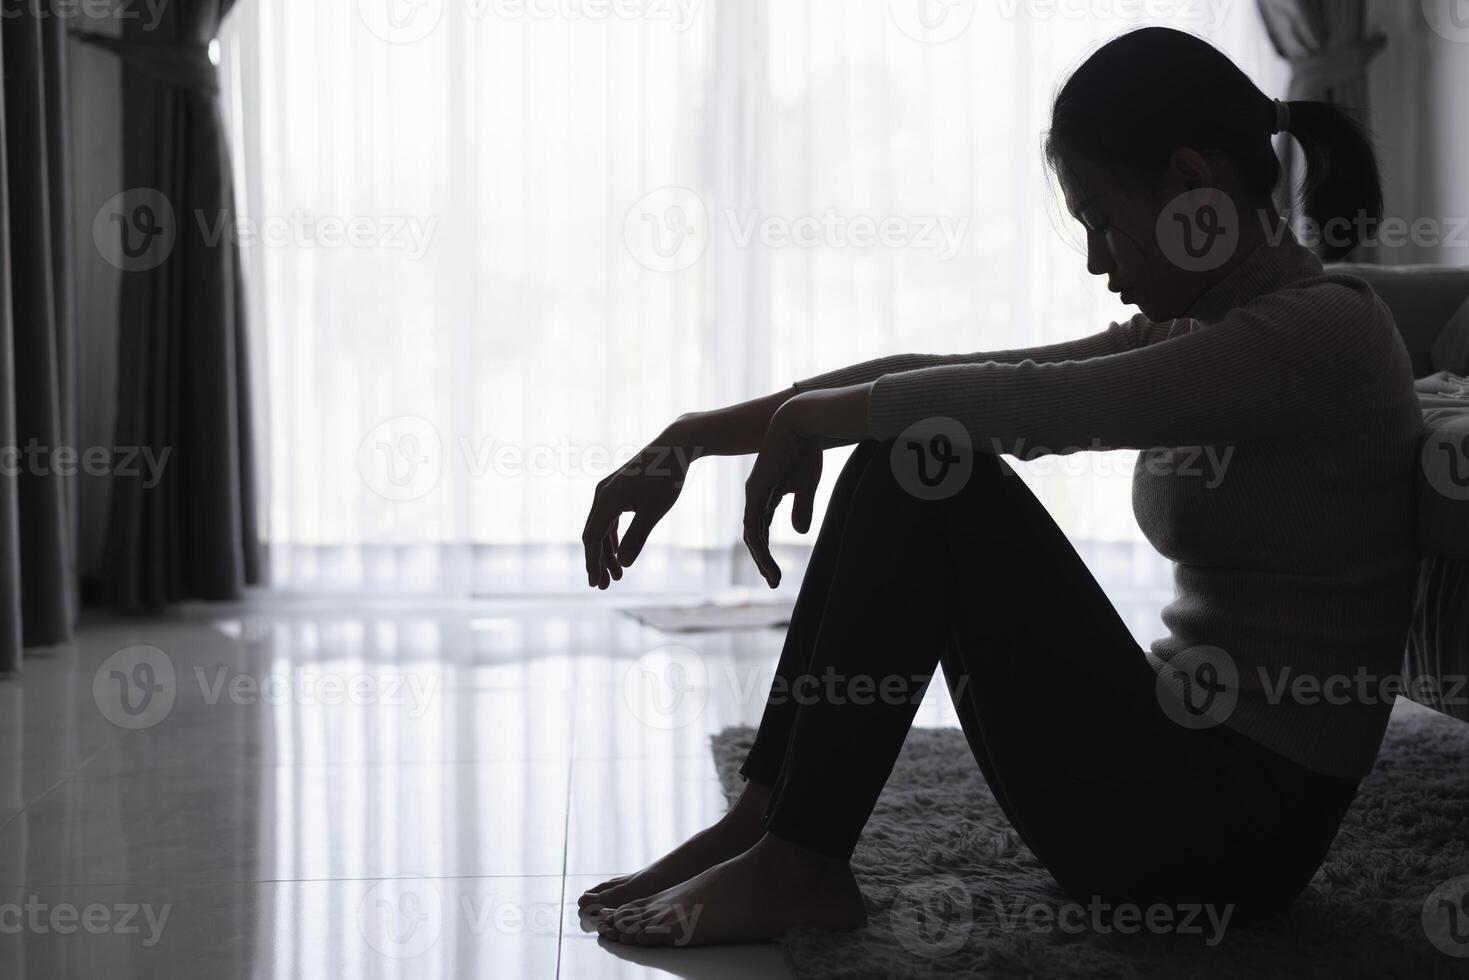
(1163, 148)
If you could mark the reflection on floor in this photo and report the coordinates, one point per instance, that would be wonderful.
(360, 790)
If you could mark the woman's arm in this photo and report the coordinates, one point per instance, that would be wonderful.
(736, 430)
(739, 430)
(1127, 335)
(1286, 362)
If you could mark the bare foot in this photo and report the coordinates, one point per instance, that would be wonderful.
(734, 833)
(772, 888)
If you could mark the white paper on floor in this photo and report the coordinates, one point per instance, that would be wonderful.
(708, 616)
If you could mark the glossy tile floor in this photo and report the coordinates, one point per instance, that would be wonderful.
(345, 790)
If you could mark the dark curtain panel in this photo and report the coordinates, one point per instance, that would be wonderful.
(1327, 45)
(182, 386)
(38, 417)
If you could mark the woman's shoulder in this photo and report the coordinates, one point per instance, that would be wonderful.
(1330, 299)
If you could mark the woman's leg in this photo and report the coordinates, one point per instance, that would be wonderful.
(766, 758)
(742, 826)
(1057, 701)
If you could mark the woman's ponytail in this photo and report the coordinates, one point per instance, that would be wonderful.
(1342, 191)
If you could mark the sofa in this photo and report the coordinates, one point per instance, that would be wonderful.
(1431, 307)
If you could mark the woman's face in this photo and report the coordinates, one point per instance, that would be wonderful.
(1121, 221)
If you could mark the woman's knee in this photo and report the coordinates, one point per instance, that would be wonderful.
(937, 467)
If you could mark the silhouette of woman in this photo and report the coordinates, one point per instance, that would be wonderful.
(1200, 771)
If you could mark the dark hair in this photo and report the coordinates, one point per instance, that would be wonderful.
(1151, 91)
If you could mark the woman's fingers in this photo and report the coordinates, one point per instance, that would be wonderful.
(759, 507)
(591, 539)
(802, 508)
(609, 555)
(637, 535)
(772, 501)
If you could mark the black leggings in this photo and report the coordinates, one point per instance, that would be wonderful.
(1056, 699)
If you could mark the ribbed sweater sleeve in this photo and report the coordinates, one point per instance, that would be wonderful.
(1118, 337)
(1273, 367)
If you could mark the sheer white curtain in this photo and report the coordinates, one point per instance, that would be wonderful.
(496, 246)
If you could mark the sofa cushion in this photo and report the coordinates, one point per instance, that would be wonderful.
(1424, 300)
(1443, 492)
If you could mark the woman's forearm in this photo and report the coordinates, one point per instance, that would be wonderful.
(833, 417)
(737, 430)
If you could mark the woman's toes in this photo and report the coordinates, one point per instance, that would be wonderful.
(651, 932)
(598, 895)
(626, 915)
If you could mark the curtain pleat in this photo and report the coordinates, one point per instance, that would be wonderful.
(38, 517)
(183, 385)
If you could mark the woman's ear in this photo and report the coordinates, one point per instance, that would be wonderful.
(1188, 170)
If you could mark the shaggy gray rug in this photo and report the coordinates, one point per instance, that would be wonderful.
(951, 891)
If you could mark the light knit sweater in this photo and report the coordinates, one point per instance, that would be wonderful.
(1301, 560)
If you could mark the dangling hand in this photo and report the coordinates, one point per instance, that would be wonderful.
(790, 463)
